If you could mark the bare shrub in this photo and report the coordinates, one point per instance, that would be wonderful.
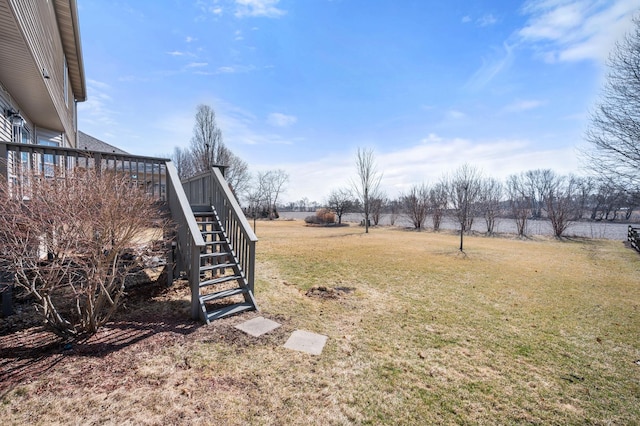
(416, 205)
(322, 217)
(73, 242)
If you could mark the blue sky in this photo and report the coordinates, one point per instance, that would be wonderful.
(299, 85)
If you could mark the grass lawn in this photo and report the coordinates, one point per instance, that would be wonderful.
(515, 331)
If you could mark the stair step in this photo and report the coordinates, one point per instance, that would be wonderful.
(221, 294)
(214, 254)
(212, 243)
(228, 310)
(204, 214)
(218, 266)
(220, 280)
(210, 233)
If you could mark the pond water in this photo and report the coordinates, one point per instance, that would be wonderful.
(587, 229)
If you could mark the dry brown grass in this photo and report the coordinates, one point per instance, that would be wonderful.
(535, 331)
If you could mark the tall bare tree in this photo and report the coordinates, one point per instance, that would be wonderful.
(464, 191)
(207, 147)
(368, 183)
(614, 133)
(183, 161)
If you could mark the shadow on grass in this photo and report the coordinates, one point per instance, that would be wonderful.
(28, 351)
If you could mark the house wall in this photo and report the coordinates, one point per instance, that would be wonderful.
(6, 130)
(38, 22)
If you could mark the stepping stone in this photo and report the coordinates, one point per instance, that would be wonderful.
(305, 341)
(258, 326)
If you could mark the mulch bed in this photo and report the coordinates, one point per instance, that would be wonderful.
(153, 317)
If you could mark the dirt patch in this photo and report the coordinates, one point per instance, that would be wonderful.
(152, 318)
(323, 292)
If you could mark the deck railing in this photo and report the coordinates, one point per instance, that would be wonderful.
(188, 241)
(211, 189)
(50, 161)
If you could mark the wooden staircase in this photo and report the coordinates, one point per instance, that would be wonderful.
(223, 286)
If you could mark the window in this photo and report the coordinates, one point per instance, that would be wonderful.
(48, 160)
(25, 137)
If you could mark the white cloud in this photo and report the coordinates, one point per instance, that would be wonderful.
(226, 70)
(233, 69)
(491, 67)
(574, 30)
(487, 20)
(456, 115)
(466, 19)
(190, 39)
(523, 105)
(197, 64)
(278, 119)
(265, 8)
(425, 161)
(98, 109)
(176, 53)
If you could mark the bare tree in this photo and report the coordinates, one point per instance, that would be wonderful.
(614, 133)
(438, 201)
(584, 191)
(368, 183)
(416, 205)
(378, 203)
(538, 183)
(464, 191)
(75, 242)
(208, 150)
(395, 207)
(489, 201)
(560, 203)
(255, 201)
(237, 174)
(183, 161)
(607, 200)
(519, 202)
(207, 147)
(271, 184)
(341, 202)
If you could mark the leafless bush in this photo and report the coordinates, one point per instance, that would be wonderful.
(322, 217)
(416, 205)
(73, 241)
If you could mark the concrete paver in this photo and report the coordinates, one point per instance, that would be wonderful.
(258, 326)
(305, 341)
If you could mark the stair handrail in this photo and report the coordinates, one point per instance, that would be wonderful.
(189, 241)
(241, 236)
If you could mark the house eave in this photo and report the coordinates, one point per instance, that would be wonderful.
(69, 25)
